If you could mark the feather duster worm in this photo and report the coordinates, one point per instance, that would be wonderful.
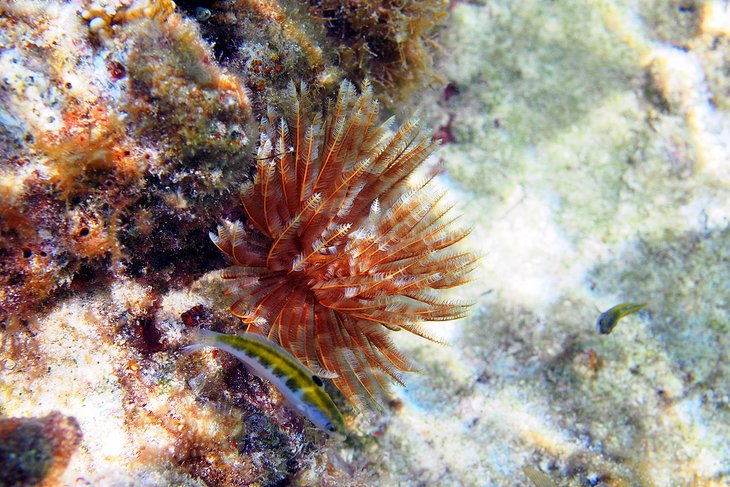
(341, 248)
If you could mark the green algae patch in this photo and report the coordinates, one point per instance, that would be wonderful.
(535, 67)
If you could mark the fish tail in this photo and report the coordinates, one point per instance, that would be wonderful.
(200, 338)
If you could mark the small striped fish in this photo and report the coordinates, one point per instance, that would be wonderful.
(608, 320)
(302, 389)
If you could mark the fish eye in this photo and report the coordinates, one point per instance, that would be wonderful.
(317, 380)
(330, 428)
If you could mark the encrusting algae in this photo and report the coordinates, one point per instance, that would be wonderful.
(390, 42)
(117, 121)
(340, 246)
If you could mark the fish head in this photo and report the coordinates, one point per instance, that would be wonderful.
(328, 419)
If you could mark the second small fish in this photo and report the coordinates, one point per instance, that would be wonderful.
(608, 320)
(301, 388)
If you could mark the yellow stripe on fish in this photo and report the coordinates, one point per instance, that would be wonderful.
(302, 388)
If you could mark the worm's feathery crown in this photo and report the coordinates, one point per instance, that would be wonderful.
(344, 249)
